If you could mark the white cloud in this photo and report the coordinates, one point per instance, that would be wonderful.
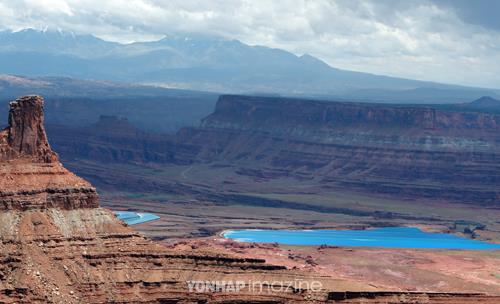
(49, 6)
(413, 39)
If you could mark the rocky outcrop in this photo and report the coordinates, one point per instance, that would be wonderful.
(31, 175)
(25, 136)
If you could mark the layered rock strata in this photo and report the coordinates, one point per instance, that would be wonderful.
(405, 151)
(31, 175)
(411, 151)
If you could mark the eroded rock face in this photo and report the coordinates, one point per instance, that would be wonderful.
(31, 176)
(411, 151)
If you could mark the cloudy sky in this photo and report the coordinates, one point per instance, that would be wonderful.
(451, 41)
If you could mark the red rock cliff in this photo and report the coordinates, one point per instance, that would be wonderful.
(31, 176)
(410, 151)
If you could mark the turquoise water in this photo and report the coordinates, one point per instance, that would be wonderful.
(392, 237)
(134, 218)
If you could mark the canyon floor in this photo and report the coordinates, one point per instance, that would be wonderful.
(253, 202)
(189, 222)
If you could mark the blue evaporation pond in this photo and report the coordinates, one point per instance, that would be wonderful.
(134, 218)
(392, 237)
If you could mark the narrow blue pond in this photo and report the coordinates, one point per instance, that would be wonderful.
(134, 218)
(392, 237)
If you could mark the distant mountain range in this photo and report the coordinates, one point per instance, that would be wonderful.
(77, 102)
(210, 64)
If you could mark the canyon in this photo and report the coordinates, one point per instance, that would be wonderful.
(425, 152)
(406, 151)
(59, 246)
(328, 164)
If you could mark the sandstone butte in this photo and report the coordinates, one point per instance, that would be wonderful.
(58, 246)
